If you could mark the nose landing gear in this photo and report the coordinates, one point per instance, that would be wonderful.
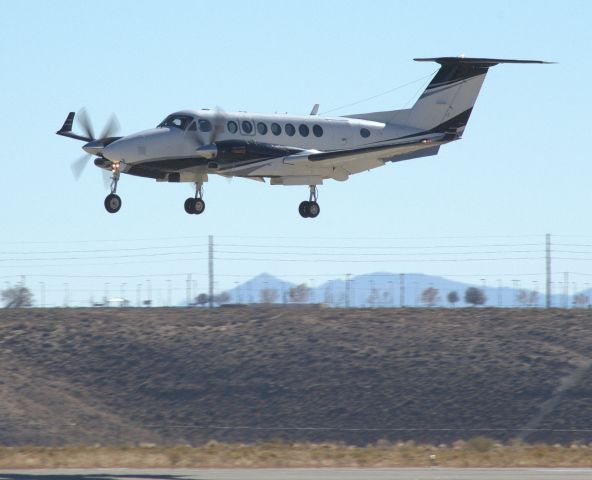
(113, 201)
(310, 208)
(195, 205)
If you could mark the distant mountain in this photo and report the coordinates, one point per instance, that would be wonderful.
(250, 291)
(385, 289)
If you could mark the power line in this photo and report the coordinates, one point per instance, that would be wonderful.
(267, 237)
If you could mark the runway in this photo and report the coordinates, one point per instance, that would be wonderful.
(304, 474)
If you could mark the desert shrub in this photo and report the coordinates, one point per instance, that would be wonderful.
(480, 444)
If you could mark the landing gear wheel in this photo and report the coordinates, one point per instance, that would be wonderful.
(112, 203)
(189, 205)
(198, 206)
(313, 209)
(310, 208)
(303, 209)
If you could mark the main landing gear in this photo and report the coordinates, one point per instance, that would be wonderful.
(195, 205)
(311, 208)
(113, 201)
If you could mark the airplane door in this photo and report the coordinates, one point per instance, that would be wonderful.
(343, 133)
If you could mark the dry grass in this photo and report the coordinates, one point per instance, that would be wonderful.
(477, 452)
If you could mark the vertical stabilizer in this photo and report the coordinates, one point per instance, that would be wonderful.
(447, 102)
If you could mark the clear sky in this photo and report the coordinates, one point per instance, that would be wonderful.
(522, 169)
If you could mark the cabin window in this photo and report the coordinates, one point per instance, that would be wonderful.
(276, 129)
(317, 130)
(204, 125)
(290, 129)
(247, 126)
(304, 130)
(232, 126)
(365, 132)
(262, 128)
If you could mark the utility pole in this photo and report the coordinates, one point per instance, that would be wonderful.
(402, 289)
(566, 289)
(548, 268)
(347, 288)
(42, 297)
(515, 287)
(188, 289)
(66, 295)
(211, 271)
(392, 293)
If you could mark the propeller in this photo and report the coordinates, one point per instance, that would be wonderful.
(79, 165)
(110, 128)
(206, 141)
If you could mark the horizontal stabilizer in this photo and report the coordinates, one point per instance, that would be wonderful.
(490, 62)
(66, 130)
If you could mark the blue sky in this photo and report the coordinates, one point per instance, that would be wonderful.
(522, 170)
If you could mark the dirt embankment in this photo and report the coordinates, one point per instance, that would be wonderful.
(252, 374)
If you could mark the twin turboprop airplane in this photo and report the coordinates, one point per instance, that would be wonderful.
(189, 145)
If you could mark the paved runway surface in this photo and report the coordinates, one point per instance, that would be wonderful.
(305, 474)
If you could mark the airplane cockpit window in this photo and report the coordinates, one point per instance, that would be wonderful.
(176, 121)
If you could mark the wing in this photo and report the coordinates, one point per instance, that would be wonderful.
(360, 159)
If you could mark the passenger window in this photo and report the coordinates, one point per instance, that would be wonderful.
(290, 129)
(262, 128)
(317, 130)
(276, 129)
(365, 132)
(247, 126)
(205, 125)
(232, 126)
(304, 130)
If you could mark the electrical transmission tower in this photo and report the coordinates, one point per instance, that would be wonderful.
(211, 271)
(548, 269)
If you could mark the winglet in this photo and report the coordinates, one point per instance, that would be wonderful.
(315, 109)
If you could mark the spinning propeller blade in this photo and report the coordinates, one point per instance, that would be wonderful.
(79, 165)
(111, 127)
(218, 122)
(85, 123)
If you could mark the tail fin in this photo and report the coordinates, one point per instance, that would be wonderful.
(447, 102)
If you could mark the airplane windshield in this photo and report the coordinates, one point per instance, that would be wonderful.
(176, 121)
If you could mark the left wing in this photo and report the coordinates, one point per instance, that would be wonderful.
(383, 153)
(358, 160)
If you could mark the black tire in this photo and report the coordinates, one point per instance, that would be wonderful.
(313, 209)
(303, 209)
(199, 206)
(189, 205)
(112, 203)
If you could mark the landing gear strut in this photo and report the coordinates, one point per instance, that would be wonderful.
(310, 208)
(195, 205)
(113, 201)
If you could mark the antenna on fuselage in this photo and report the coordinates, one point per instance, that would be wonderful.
(315, 109)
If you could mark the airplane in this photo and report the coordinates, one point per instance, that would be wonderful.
(306, 150)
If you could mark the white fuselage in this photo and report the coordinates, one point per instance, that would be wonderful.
(310, 133)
